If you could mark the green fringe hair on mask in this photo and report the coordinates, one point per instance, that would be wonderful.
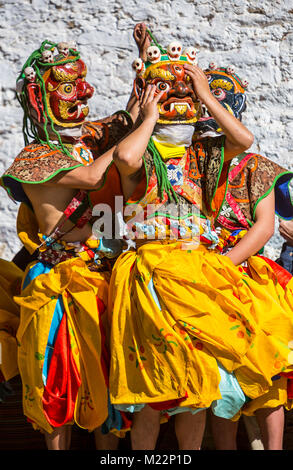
(29, 128)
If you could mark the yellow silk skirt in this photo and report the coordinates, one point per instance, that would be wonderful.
(10, 283)
(78, 289)
(177, 313)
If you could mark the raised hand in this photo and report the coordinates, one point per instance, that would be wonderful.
(199, 81)
(130, 150)
(142, 39)
(286, 230)
(238, 137)
(148, 103)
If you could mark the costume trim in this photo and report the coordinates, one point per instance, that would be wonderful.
(104, 181)
(25, 170)
(264, 175)
(274, 184)
(216, 190)
(219, 190)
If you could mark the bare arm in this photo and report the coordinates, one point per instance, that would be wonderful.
(91, 176)
(143, 41)
(258, 235)
(238, 137)
(133, 106)
(84, 177)
(129, 152)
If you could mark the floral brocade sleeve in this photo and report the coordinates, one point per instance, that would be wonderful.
(104, 133)
(252, 177)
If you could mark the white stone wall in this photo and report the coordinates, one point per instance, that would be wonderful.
(256, 36)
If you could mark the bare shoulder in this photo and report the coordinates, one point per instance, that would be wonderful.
(55, 196)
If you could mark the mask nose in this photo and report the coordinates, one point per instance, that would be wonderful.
(84, 89)
(181, 89)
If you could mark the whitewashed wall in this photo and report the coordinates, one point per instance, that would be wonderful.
(256, 36)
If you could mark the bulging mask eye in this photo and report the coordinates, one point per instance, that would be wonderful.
(67, 88)
(162, 86)
(219, 93)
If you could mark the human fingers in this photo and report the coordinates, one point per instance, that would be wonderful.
(286, 223)
(151, 94)
(199, 81)
(158, 96)
(145, 95)
(140, 33)
(284, 232)
(137, 32)
(286, 229)
(154, 96)
(190, 67)
(194, 71)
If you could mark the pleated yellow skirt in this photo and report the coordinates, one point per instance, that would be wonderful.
(178, 314)
(75, 294)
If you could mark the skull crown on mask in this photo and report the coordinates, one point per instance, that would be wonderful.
(165, 69)
(65, 93)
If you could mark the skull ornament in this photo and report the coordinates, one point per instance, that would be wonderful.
(190, 53)
(138, 66)
(153, 54)
(63, 48)
(47, 57)
(30, 74)
(174, 50)
(230, 69)
(212, 66)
